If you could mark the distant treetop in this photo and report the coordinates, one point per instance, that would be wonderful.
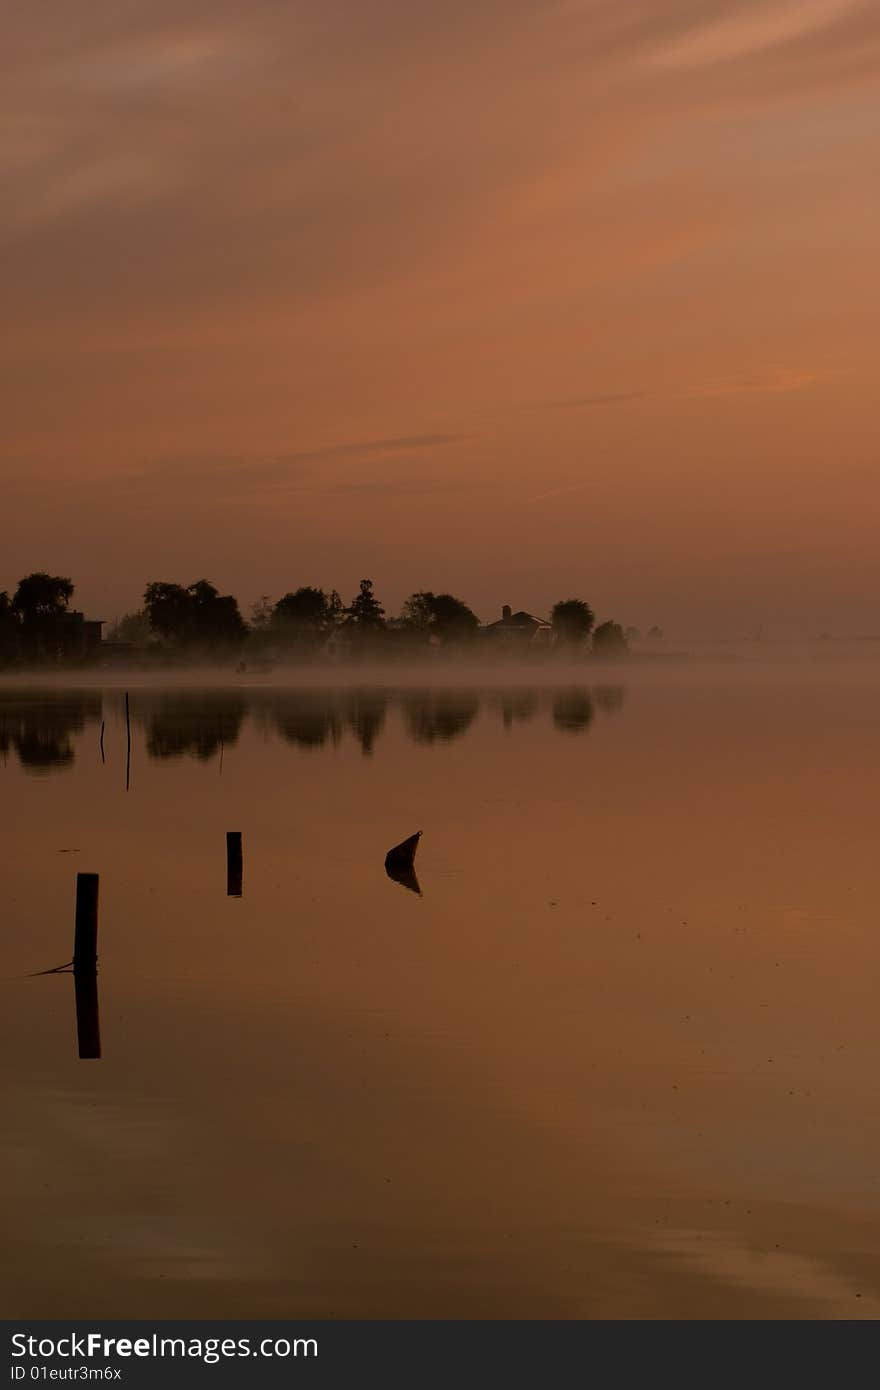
(439, 615)
(194, 616)
(572, 620)
(609, 640)
(306, 611)
(365, 612)
(41, 595)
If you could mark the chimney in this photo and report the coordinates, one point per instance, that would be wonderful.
(505, 613)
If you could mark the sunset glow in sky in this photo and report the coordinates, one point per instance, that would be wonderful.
(518, 298)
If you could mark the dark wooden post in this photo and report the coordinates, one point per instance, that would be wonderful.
(85, 966)
(85, 935)
(234, 864)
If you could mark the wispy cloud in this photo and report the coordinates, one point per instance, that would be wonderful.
(288, 465)
(574, 402)
(751, 30)
(772, 381)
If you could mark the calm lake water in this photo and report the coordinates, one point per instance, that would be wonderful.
(618, 1059)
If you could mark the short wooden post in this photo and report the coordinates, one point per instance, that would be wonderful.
(85, 933)
(234, 864)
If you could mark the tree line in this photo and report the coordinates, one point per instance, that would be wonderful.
(196, 617)
(308, 616)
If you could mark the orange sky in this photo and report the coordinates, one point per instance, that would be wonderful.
(522, 298)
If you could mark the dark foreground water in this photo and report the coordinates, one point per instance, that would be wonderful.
(620, 1058)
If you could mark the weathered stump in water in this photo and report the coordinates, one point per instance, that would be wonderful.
(400, 863)
(234, 864)
(85, 931)
(406, 876)
(402, 856)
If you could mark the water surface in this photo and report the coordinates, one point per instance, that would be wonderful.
(618, 1058)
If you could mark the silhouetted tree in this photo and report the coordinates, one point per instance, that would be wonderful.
(40, 606)
(365, 613)
(216, 616)
(655, 633)
(261, 613)
(306, 612)
(196, 615)
(41, 597)
(132, 627)
(439, 615)
(9, 628)
(572, 620)
(169, 610)
(572, 711)
(608, 640)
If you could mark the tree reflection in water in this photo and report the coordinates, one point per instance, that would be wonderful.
(196, 724)
(439, 715)
(572, 710)
(39, 725)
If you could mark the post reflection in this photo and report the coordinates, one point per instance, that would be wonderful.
(88, 1026)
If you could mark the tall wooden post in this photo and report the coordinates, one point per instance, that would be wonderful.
(85, 933)
(85, 966)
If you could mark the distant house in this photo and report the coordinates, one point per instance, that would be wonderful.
(337, 646)
(76, 637)
(519, 627)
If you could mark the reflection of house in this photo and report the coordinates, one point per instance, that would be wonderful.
(519, 627)
(76, 636)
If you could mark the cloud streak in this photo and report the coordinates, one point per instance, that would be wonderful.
(575, 402)
(751, 30)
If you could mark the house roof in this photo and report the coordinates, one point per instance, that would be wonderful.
(520, 619)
